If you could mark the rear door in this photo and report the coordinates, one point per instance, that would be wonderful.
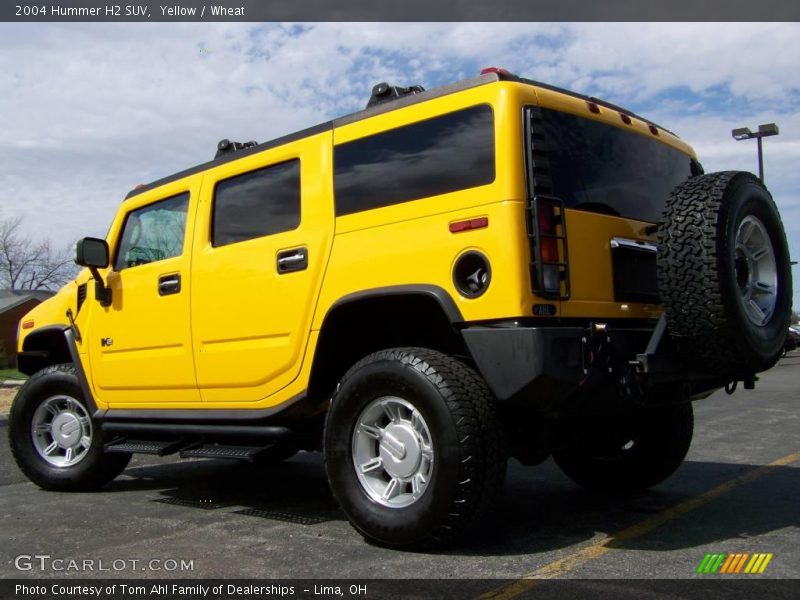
(264, 231)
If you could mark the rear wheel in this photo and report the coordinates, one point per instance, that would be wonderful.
(52, 436)
(724, 273)
(631, 453)
(413, 451)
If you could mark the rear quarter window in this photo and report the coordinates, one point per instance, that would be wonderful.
(445, 154)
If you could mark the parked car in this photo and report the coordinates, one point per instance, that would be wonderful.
(792, 340)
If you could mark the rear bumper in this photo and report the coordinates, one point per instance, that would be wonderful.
(578, 370)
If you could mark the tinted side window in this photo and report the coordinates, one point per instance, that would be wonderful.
(257, 203)
(153, 232)
(440, 155)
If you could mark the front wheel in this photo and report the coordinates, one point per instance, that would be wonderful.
(413, 451)
(52, 436)
(631, 453)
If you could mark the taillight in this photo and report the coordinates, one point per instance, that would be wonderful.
(548, 244)
(550, 265)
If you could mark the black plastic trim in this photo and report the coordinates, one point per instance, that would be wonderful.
(134, 427)
(511, 359)
(76, 360)
(200, 414)
(69, 338)
(439, 294)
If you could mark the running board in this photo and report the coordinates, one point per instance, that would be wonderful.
(263, 432)
(145, 447)
(245, 453)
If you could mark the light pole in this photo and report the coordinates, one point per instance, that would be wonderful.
(744, 133)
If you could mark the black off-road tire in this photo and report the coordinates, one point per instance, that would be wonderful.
(660, 440)
(94, 470)
(697, 274)
(469, 448)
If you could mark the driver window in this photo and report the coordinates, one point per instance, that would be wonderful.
(153, 232)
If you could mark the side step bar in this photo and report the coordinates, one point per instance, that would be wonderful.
(245, 453)
(175, 429)
(145, 447)
(188, 449)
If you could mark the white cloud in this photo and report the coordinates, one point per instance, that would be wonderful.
(91, 109)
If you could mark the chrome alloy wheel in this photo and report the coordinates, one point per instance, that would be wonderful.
(393, 452)
(756, 271)
(62, 431)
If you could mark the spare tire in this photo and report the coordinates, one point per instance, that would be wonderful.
(724, 274)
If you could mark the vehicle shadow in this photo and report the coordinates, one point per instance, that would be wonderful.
(295, 490)
(539, 511)
(544, 512)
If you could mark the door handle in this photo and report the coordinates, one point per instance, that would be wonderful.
(295, 259)
(169, 284)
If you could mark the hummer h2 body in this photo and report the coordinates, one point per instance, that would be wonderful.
(421, 289)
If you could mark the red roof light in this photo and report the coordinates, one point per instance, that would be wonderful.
(498, 70)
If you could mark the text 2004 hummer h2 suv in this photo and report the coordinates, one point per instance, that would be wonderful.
(421, 289)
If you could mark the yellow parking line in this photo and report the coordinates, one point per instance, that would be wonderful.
(597, 549)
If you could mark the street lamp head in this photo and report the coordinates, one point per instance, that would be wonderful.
(743, 133)
(768, 129)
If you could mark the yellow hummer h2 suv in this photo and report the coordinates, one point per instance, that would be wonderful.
(420, 290)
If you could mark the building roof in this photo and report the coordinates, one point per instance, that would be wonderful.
(12, 298)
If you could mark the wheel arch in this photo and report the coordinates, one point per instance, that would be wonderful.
(370, 320)
(53, 345)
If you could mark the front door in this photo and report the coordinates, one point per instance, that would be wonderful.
(140, 346)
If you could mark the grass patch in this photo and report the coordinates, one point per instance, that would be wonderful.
(11, 374)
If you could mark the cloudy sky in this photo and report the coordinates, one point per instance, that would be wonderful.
(89, 110)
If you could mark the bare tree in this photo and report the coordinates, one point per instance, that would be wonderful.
(27, 264)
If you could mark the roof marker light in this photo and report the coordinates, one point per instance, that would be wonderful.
(653, 129)
(625, 118)
(27, 324)
(593, 107)
(498, 70)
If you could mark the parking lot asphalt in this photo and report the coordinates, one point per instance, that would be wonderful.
(737, 491)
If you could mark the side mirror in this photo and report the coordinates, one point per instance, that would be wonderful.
(92, 253)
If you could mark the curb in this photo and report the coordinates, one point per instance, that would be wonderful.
(11, 383)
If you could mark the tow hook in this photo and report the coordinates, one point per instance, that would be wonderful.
(749, 384)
